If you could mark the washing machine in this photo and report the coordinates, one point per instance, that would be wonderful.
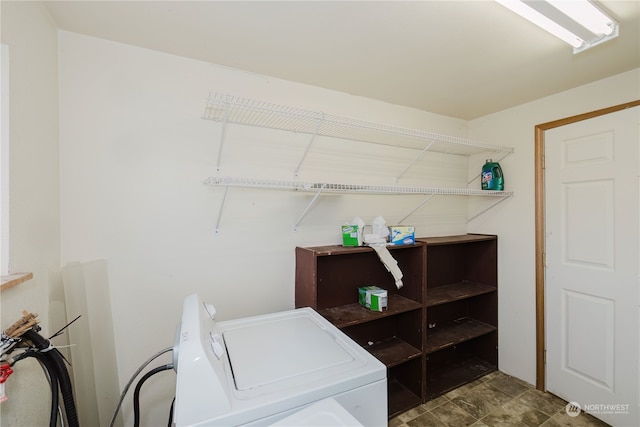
(258, 370)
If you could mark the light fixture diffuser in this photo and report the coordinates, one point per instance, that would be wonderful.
(579, 23)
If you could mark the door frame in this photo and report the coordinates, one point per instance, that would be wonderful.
(540, 198)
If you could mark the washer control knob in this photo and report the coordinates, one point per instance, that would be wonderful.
(217, 348)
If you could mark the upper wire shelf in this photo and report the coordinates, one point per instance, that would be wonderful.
(233, 109)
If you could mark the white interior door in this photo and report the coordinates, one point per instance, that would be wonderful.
(592, 265)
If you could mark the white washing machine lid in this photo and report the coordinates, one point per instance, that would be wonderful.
(275, 350)
(239, 371)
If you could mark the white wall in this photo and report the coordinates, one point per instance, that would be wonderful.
(34, 197)
(134, 152)
(514, 220)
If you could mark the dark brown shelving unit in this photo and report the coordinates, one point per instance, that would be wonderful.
(327, 280)
(462, 310)
(440, 329)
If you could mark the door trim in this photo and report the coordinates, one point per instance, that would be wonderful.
(540, 226)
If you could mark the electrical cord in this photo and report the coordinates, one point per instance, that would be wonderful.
(52, 378)
(24, 334)
(133, 377)
(57, 368)
(136, 393)
(173, 402)
(66, 387)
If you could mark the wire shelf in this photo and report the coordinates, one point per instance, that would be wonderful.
(316, 187)
(245, 111)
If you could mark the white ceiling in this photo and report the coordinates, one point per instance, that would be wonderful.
(461, 59)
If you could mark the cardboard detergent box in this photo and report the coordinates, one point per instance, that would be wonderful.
(350, 235)
(402, 235)
(373, 298)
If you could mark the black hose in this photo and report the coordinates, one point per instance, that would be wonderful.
(133, 377)
(136, 393)
(53, 382)
(56, 361)
(173, 402)
(66, 387)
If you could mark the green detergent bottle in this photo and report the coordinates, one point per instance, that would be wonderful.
(492, 178)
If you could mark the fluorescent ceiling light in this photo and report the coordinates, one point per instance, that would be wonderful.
(577, 22)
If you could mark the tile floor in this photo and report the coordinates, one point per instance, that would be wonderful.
(494, 400)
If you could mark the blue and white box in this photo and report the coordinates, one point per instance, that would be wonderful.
(402, 235)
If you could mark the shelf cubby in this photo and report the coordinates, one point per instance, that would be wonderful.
(458, 365)
(462, 310)
(405, 385)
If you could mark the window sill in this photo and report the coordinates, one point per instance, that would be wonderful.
(12, 280)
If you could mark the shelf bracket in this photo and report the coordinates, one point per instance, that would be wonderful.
(497, 160)
(225, 117)
(306, 150)
(416, 159)
(500, 200)
(311, 203)
(424, 202)
(224, 197)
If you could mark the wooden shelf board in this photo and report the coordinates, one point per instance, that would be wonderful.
(393, 351)
(445, 376)
(14, 280)
(449, 240)
(354, 314)
(456, 291)
(343, 250)
(456, 332)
